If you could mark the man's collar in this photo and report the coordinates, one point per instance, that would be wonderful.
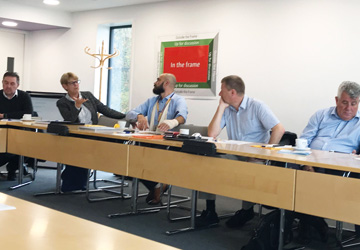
(243, 103)
(16, 93)
(167, 97)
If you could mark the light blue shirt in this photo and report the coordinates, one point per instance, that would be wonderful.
(327, 131)
(177, 108)
(252, 122)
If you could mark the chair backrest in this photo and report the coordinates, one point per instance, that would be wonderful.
(289, 138)
(107, 121)
(203, 130)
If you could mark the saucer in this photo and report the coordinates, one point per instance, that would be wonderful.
(23, 120)
(301, 149)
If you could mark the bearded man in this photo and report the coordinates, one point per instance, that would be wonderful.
(160, 113)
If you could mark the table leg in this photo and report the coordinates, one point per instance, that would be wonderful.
(21, 173)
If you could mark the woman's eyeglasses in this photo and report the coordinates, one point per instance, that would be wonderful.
(74, 82)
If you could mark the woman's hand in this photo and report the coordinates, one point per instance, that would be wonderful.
(79, 101)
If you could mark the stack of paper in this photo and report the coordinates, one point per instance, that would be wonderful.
(97, 128)
(294, 152)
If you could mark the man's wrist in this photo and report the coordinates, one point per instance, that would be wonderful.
(171, 123)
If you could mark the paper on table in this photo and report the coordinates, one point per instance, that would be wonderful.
(10, 120)
(271, 146)
(233, 142)
(6, 207)
(294, 152)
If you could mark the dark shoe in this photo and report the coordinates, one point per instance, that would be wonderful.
(240, 218)
(322, 227)
(66, 189)
(11, 176)
(154, 196)
(357, 231)
(150, 196)
(304, 233)
(207, 219)
(165, 188)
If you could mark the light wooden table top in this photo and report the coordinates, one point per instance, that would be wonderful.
(318, 158)
(31, 226)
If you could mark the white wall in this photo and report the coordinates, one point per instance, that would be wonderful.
(291, 54)
(12, 45)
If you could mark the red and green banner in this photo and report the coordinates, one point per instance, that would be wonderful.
(191, 61)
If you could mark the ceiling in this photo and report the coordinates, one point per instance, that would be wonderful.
(27, 26)
(82, 5)
(67, 6)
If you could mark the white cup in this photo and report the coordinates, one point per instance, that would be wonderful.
(184, 131)
(122, 124)
(27, 117)
(301, 143)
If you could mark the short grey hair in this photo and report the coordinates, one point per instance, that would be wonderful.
(351, 88)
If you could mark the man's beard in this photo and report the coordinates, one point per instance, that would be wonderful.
(157, 90)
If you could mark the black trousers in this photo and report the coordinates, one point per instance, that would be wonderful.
(149, 184)
(73, 178)
(12, 160)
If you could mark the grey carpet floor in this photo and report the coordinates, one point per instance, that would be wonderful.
(152, 226)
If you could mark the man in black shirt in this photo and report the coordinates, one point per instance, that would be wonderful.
(14, 104)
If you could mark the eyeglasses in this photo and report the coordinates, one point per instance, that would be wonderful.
(74, 82)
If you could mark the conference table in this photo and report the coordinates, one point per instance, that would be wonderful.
(249, 181)
(328, 196)
(30, 226)
(3, 137)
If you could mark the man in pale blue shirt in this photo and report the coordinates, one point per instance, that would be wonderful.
(245, 119)
(160, 113)
(334, 129)
(337, 128)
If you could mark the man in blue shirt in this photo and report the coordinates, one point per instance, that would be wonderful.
(245, 119)
(334, 129)
(337, 128)
(160, 113)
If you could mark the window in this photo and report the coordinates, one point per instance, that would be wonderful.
(119, 75)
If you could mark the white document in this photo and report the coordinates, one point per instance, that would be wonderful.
(233, 142)
(6, 207)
